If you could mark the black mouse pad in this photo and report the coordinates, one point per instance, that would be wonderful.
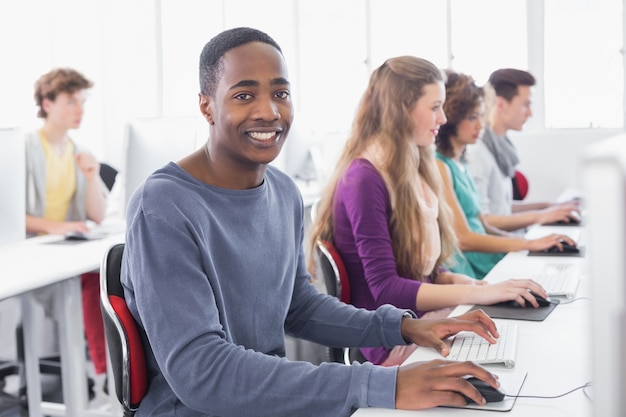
(505, 311)
(568, 224)
(581, 253)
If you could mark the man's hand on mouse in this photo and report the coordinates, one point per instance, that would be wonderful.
(423, 385)
(565, 212)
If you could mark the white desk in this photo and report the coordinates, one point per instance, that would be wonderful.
(36, 263)
(555, 353)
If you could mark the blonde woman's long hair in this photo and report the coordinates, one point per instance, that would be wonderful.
(384, 117)
(489, 98)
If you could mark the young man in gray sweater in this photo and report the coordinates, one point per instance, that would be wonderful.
(215, 274)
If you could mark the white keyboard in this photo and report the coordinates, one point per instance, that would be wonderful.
(468, 346)
(559, 280)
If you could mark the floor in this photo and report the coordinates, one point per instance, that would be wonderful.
(11, 406)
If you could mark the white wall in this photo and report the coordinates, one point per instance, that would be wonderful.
(551, 159)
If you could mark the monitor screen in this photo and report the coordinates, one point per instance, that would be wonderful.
(153, 142)
(604, 198)
(12, 184)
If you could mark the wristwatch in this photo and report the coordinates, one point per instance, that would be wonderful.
(409, 315)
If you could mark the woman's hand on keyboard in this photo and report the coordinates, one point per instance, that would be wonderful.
(518, 290)
(430, 333)
(423, 385)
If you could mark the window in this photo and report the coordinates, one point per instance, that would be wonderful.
(584, 70)
(408, 27)
(143, 55)
(487, 35)
(332, 68)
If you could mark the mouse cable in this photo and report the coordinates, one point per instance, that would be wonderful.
(583, 387)
(574, 299)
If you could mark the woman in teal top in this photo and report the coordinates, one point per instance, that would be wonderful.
(472, 263)
(482, 244)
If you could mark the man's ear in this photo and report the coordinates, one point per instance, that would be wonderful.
(500, 103)
(45, 104)
(204, 102)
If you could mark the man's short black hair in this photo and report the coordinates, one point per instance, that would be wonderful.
(213, 52)
(506, 80)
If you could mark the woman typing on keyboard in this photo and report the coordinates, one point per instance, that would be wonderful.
(384, 210)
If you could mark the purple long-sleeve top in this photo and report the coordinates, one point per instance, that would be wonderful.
(361, 212)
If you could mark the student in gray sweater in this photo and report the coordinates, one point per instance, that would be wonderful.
(215, 274)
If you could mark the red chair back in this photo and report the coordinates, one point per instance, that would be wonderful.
(520, 186)
(334, 271)
(124, 342)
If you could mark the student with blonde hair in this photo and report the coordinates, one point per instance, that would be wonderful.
(383, 207)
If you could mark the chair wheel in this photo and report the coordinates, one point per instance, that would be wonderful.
(90, 388)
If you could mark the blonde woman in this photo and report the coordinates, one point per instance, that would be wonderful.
(383, 207)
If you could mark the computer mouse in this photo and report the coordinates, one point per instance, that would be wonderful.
(76, 235)
(567, 248)
(540, 300)
(571, 222)
(574, 219)
(488, 392)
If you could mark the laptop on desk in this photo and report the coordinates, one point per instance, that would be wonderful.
(96, 231)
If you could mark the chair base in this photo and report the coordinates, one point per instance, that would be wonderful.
(346, 356)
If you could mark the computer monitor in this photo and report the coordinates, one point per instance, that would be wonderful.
(12, 186)
(153, 142)
(604, 198)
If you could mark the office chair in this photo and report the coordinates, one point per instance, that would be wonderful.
(8, 368)
(338, 285)
(520, 186)
(124, 344)
(334, 271)
(108, 174)
(9, 404)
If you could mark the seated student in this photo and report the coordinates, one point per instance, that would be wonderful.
(383, 210)
(64, 188)
(214, 272)
(483, 245)
(493, 159)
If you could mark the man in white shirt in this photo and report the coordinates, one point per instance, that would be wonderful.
(493, 160)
